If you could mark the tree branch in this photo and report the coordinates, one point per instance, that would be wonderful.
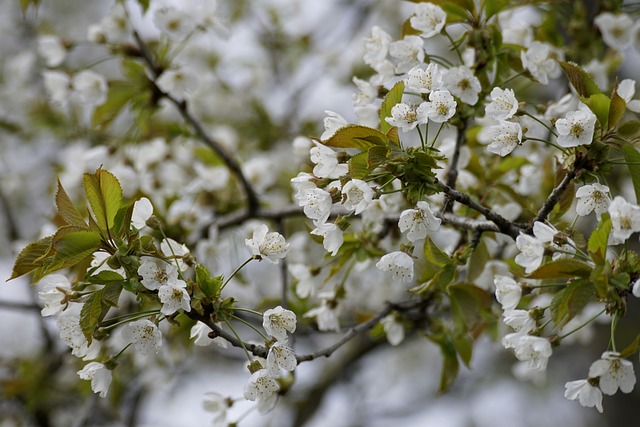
(452, 172)
(253, 204)
(554, 198)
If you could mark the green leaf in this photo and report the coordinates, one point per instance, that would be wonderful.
(599, 104)
(477, 261)
(105, 277)
(74, 247)
(434, 254)
(630, 132)
(632, 157)
(467, 304)
(210, 286)
(359, 165)
(492, 7)
(67, 209)
(617, 109)
(600, 279)
(394, 96)
(450, 365)
(464, 347)
(376, 156)
(118, 96)
(455, 12)
(96, 308)
(570, 301)
(356, 136)
(562, 268)
(105, 197)
(394, 139)
(29, 258)
(597, 245)
(580, 79)
(144, 4)
(631, 349)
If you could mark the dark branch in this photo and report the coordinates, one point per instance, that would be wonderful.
(554, 198)
(452, 172)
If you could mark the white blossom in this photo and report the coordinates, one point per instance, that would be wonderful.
(90, 87)
(531, 252)
(174, 297)
(419, 222)
(409, 52)
(71, 333)
(357, 195)
(173, 22)
(440, 108)
(58, 86)
(528, 348)
(541, 61)
(508, 292)
(400, 264)
(332, 123)
(52, 50)
(280, 356)
(503, 104)
(305, 277)
(585, 393)
(625, 220)
(392, 329)
(406, 116)
(626, 90)
(616, 30)
(278, 321)
(200, 335)
(261, 386)
(327, 313)
(317, 204)
(461, 82)
(635, 288)
(519, 320)
(592, 197)
(376, 46)
(144, 335)
(423, 80)
(429, 19)
(142, 211)
(326, 161)
(53, 293)
(178, 83)
(216, 404)
(156, 273)
(576, 128)
(614, 372)
(332, 235)
(99, 375)
(505, 137)
(267, 245)
(175, 251)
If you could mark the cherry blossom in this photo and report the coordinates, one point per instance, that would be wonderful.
(584, 392)
(419, 222)
(576, 128)
(400, 264)
(144, 335)
(99, 375)
(424, 80)
(278, 321)
(592, 197)
(505, 137)
(267, 245)
(613, 373)
(429, 19)
(503, 104)
(461, 82)
(440, 108)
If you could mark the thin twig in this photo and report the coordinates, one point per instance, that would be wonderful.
(554, 198)
(452, 172)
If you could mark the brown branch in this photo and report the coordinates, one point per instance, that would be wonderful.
(452, 172)
(253, 203)
(554, 198)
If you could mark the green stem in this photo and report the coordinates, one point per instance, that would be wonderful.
(239, 319)
(549, 128)
(438, 134)
(130, 319)
(564, 150)
(421, 137)
(455, 46)
(126, 316)
(173, 254)
(248, 310)
(513, 77)
(236, 272)
(233, 331)
(583, 325)
(612, 340)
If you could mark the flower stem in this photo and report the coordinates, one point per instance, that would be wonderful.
(239, 319)
(235, 272)
(233, 331)
(549, 128)
(583, 325)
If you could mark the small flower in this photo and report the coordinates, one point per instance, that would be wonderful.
(142, 211)
(625, 219)
(99, 375)
(534, 350)
(616, 29)
(576, 128)
(58, 86)
(270, 246)
(376, 46)
(541, 61)
(424, 80)
(71, 333)
(53, 293)
(519, 320)
(531, 252)
(400, 264)
(503, 104)
(408, 51)
(392, 329)
(626, 90)
(175, 251)
(317, 204)
(406, 117)
(327, 314)
(173, 22)
(440, 108)
(144, 335)
(52, 50)
(326, 161)
(156, 273)
(332, 235)
(418, 221)
(592, 197)
(261, 386)
(216, 404)
(583, 391)
(508, 292)
(543, 232)
(200, 335)
(278, 321)
(174, 297)
(280, 356)
(178, 83)
(461, 82)
(614, 372)
(303, 274)
(358, 195)
(505, 137)
(429, 19)
(90, 87)
(332, 123)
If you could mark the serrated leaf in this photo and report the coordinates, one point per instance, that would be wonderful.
(582, 81)
(467, 303)
(616, 110)
(477, 261)
(96, 308)
(105, 277)
(74, 247)
(356, 136)
(393, 97)
(122, 221)
(597, 245)
(492, 7)
(632, 157)
(26, 260)
(359, 165)
(562, 269)
(630, 132)
(570, 301)
(599, 104)
(67, 209)
(118, 96)
(631, 349)
(105, 197)
(376, 156)
(434, 254)
(392, 134)
(210, 286)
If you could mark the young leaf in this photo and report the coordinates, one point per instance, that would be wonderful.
(580, 79)
(630, 132)
(118, 96)
(210, 286)
(599, 104)
(616, 110)
(28, 259)
(632, 157)
(597, 245)
(631, 349)
(74, 247)
(477, 261)
(562, 268)
(571, 300)
(376, 156)
(492, 7)
(359, 165)
(67, 210)
(105, 197)
(393, 97)
(96, 308)
(434, 254)
(356, 136)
